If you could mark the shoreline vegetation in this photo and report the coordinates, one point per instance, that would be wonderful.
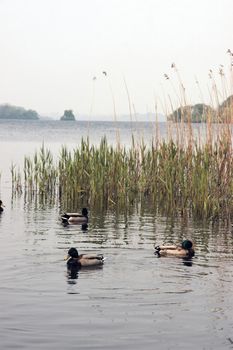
(202, 113)
(68, 115)
(198, 113)
(14, 112)
(186, 174)
(178, 176)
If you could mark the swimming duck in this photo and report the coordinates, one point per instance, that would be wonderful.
(183, 250)
(75, 218)
(74, 260)
(1, 206)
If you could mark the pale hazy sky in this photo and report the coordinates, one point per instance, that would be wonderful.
(52, 49)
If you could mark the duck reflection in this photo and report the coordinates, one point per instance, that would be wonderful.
(187, 261)
(72, 274)
(84, 227)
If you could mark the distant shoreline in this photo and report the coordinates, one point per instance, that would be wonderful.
(44, 120)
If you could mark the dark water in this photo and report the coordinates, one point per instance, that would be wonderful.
(136, 300)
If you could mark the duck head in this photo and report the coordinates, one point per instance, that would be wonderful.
(73, 253)
(72, 259)
(187, 244)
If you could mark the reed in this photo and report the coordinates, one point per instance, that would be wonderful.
(40, 173)
(16, 181)
(185, 180)
(182, 175)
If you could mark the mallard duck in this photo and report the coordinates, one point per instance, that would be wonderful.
(1, 206)
(75, 218)
(74, 260)
(183, 250)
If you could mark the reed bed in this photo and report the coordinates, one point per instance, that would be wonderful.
(188, 178)
(185, 174)
(40, 175)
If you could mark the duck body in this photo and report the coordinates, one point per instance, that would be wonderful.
(185, 250)
(1, 206)
(74, 260)
(75, 218)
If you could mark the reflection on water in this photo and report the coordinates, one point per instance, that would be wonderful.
(134, 301)
(187, 261)
(84, 227)
(72, 275)
(136, 298)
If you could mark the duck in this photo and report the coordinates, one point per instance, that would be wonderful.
(75, 218)
(184, 250)
(74, 260)
(1, 206)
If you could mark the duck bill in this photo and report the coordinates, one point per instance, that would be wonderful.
(66, 257)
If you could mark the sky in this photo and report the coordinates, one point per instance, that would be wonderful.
(54, 53)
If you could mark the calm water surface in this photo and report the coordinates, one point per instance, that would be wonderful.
(136, 300)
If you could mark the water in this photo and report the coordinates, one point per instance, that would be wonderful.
(136, 300)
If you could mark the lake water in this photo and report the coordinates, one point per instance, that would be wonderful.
(136, 300)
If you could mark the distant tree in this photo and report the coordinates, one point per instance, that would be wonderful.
(14, 112)
(225, 110)
(68, 115)
(196, 114)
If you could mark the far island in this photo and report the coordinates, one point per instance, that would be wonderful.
(8, 111)
(68, 115)
(197, 113)
(201, 113)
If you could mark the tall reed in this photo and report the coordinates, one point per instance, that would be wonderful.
(40, 173)
(195, 180)
(185, 174)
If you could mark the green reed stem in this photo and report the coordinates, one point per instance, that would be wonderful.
(193, 178)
